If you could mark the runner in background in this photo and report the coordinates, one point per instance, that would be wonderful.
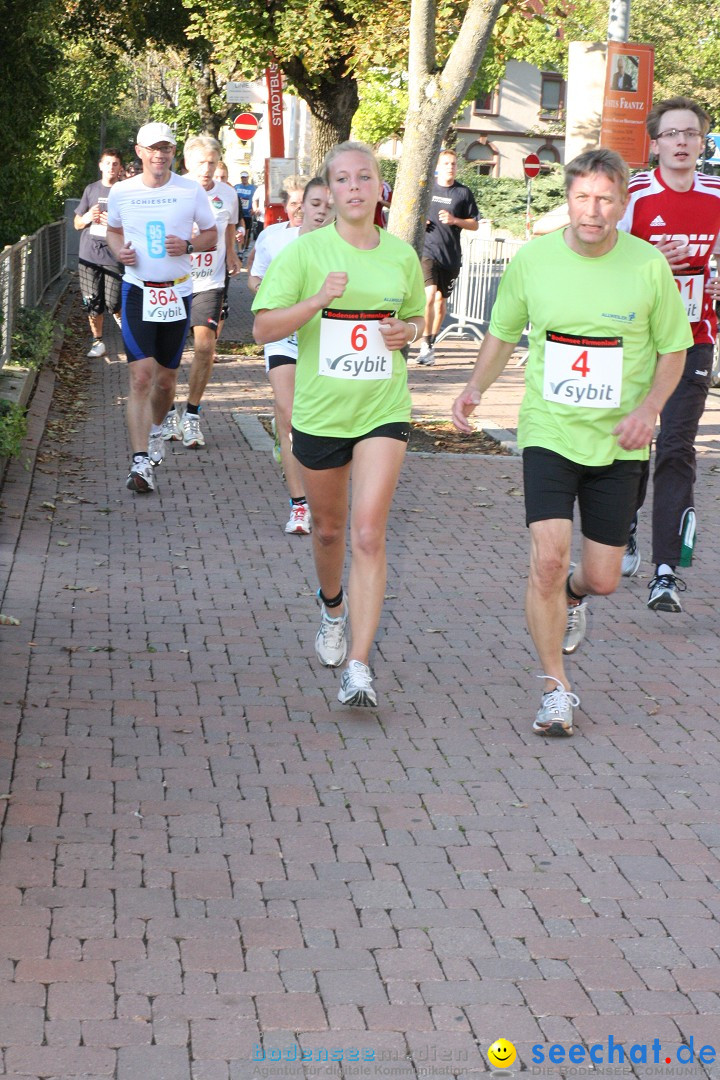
(99, 271)
(452, 209)
(308, 208)
(678, 210)
(245, 192)
(210, 270)
(150, 226)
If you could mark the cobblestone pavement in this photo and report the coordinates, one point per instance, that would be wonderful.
(204, 853)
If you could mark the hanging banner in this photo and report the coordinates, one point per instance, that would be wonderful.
(627, 101)
(273, 76)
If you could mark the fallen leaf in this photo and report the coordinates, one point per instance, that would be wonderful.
(9, 620)
(63, 543)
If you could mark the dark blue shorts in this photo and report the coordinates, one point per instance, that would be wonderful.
(163, 341)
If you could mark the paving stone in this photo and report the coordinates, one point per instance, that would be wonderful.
(203, 852)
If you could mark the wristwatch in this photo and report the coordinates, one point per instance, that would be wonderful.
(189, 248)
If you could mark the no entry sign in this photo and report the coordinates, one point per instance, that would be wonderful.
(531, 165)
(245, 126)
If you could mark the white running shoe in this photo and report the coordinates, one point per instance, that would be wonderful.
(171, 427)
(140, 478)
(664, 589)
(576, 627)
(426, 356)
(631, 559)
(97, 349)
(192, 436)
(331, 638)
(156, 448)
(555, 715)
(300, 519)
(356, 686)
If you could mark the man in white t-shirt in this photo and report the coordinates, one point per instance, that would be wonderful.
(210, 270)
(150, 231)
(100, 276)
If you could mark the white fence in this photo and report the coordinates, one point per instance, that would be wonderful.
(27, 269)
(470, 302)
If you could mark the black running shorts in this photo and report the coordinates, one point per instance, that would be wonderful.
(606, 494)
(322, 452)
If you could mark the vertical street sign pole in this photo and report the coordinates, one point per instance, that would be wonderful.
(619, 20)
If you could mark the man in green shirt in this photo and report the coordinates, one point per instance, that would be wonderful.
(606, 349)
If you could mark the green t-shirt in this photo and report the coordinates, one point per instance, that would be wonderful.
(597, 326)
(344, 385)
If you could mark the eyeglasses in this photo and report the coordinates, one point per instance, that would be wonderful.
(675, 133)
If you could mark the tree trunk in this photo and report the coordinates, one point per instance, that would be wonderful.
(434, 98)
(332, 103)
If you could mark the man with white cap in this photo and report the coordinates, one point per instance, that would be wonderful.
(150, 231)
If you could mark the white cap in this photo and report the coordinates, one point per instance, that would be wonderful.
(149, 134)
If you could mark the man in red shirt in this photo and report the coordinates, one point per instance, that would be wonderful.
(677, 209)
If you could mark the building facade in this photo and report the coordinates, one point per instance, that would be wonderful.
(524, 114)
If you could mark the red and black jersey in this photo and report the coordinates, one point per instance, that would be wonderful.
(656, 212)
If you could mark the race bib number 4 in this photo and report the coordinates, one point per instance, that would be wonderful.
(162, 305)
(352, 347)
(583, 371)
(691, 288)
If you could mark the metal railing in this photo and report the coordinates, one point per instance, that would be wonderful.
(470, 303)
(27, 269)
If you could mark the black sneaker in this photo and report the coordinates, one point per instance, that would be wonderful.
(664, 589)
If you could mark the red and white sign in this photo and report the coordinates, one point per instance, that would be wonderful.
(274, 79)
(531, 165)
(245, 126)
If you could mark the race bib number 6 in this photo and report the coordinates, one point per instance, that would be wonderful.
(162, 305)
(583, 371)
(352, 347)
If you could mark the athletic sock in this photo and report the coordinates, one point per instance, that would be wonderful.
(192, 410)
(140, 455)
(302, 501)
(571, 595)
(156, 429)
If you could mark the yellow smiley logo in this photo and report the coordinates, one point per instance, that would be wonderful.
(501, 1054)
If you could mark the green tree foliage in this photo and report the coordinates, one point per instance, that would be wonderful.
(383, 106)
(685, 35)
(31, 52)
(56, 95)
(503, 200)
